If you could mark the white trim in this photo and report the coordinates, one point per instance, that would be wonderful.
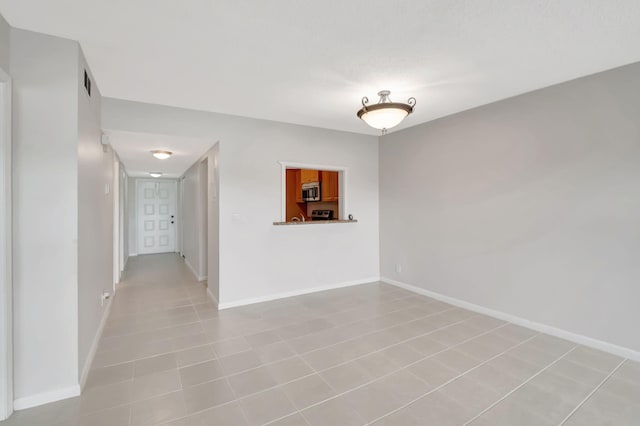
(286, 294)
(193, 271)
(46, 397)
(6, 241)
(543, 328)
(309, 166)
(212, 297)
(342, 181)
(115, 198)
(122, 200)
(94, 345)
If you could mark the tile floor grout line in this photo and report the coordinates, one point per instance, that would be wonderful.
(368, 318)
(311, 374)
(184, 400)
(357, 358)
(301, 353)
(592, 392)
(437, 388)
(399, 369)
(236, 400)
(131, 412)
(521, 385)
(317, 372)
(315, 316)
(186, 416)
(286, 340)
(297, 411)
(134, 334)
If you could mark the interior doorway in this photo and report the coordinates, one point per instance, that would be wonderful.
(204, 216)
(156, 216)
(6, 293)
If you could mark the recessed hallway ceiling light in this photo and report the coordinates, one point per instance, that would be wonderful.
(385, 114)
(155, 174)
(161, 155)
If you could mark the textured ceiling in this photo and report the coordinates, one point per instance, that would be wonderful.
(311, 62)
(134, 150)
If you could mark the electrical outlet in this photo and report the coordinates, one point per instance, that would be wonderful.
(398, 268)
(104, 297)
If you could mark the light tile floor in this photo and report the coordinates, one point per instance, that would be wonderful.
(370, 354)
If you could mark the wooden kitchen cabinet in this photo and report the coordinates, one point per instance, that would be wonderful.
(329, 186)
(294, 179)
(308, 176)
(294, 203)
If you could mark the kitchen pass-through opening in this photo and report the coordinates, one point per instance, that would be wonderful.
(313, 192)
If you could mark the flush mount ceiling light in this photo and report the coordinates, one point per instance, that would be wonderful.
(385, 114)
(155, 174)
(161, 155)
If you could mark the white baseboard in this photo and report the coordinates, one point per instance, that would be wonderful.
(46, 397)
(543, 328)
(300, 292)
(95, 343)
(193, 271)
(212, 297)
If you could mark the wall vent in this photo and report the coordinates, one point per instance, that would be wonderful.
(87, 83)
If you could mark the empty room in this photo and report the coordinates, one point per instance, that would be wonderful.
(319, 214)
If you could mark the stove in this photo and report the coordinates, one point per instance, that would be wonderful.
(321, 214)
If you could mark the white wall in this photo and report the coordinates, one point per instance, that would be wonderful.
(213, 223)
(258, 259)
(200, 217)
(5, 37)
(528, 206)
(203, 196)
(45, 212)
(131, 217)
(124, 212)
(95, 219)
(192, 231)
(6, 293)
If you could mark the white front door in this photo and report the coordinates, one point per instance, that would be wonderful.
(156, 216)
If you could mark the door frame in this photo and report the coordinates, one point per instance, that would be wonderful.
(137, 212)
(116, 221)
(122, 188)
(203, 196)
(6, 242)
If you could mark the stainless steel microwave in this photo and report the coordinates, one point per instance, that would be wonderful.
(311, 191)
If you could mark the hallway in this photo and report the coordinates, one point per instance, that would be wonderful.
(367, 354)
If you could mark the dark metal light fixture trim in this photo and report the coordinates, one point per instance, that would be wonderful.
(396, 111)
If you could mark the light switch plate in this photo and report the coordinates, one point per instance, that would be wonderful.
(106, 188)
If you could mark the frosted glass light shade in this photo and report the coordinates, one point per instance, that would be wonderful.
(161, 155)
(155, 174)
(384, 118)
(385, 114)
